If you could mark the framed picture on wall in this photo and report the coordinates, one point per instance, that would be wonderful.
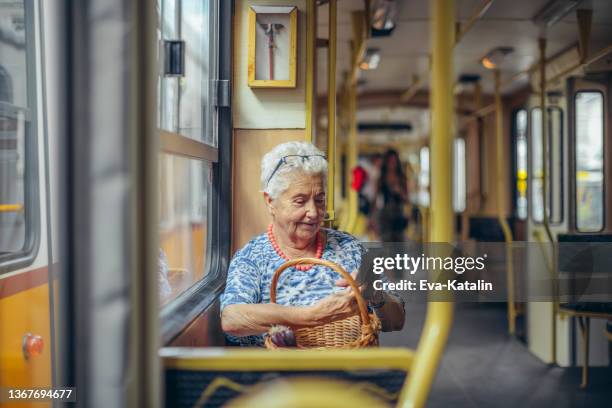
(272, 46)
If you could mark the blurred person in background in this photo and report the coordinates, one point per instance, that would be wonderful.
(391, 198)
(367, 195)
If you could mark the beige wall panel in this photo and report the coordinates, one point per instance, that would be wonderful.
(250, 215)
(267, 108)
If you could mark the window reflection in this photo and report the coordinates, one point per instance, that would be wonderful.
(555, 164)
(459, 176)
(184, 196)
(521, 163)
(17, 136)
(554, 169)
(589, 161)
(194, 86)
(537, 166)
(424, 177)
(184, 103)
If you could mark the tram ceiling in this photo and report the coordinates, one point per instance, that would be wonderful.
(510, 23)
(390, 98)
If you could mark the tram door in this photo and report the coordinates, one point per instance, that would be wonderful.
(577, 159)
(589, 175)
(540, 336)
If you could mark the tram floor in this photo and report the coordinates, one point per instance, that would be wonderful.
(482, 366)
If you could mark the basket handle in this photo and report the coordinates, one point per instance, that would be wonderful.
(363, 310)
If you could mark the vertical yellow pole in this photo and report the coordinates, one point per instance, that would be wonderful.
(542, 45)
(441, 94)
(358, 18)
(501, 216)
(439, 314)
(352, 155)
(331, 111)
(545, 187)
(311, 49)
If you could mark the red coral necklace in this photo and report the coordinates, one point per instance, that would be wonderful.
(279, 251)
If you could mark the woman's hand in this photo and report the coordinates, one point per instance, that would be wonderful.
(336, 306)
(344, 283)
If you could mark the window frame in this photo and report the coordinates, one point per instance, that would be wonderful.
(561, 192)
(18, 260)
(421, 186)
(514, 132)
(574, 160)
(454, 186)
(548, 165)
(179, 312)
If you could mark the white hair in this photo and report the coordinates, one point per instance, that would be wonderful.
(280, 180)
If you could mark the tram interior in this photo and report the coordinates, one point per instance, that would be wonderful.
(488, 122)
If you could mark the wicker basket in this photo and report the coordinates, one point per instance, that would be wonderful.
(353, 332)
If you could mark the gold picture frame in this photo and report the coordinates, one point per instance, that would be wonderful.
(272, 46)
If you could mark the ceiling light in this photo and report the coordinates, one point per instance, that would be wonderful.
(495, 57)
(371, 59)
(382, 17)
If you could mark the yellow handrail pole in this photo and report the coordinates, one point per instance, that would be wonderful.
(461, 30)
(542, 46)
(417, 83)
(510, 80)
(537, 234)
(501, 216)
(464, 28)
(342, 220)
(331, 111)
(358, 18)
(546, 220)
(311, 49)
(439, 314)
(352, 155)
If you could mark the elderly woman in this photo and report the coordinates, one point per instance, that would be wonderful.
(293, 179)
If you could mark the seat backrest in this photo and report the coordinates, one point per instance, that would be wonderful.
(585, 267)
(211, 377)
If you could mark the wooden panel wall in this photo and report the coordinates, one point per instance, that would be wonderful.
(249, 213)
(204, 331)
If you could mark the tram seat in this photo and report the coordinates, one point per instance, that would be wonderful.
(487, 229)
(580, 267)
(211, 377)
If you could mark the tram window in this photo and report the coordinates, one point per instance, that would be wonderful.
(459, 176)
(589, 161)
(553, 164)
(19, 228)
(168, 86)
(184, 105)
(185, 193)
(520, 126)
(537, 166)
(424, 177)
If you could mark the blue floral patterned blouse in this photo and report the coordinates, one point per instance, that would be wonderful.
(252, 267)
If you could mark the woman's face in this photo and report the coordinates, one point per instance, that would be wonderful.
(299, 210)
(392, 161)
